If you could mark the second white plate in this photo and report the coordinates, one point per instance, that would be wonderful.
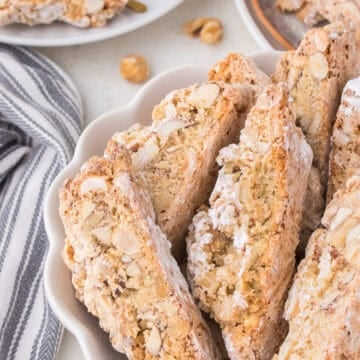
(61, 34)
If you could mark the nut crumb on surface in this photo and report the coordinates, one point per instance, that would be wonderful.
(134, 68)
(208, 29)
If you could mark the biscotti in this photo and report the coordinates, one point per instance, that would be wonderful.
(174, 158)
(122, 268)
(316, 73)
(345, 153)
(323, 308)
(79, 13)
(314, 11)
(241, 250)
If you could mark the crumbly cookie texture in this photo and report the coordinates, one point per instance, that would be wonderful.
(314, 11)
(241, 250)
(324, 305)
(81, 13)
(174, 158)
(122, 268)
(237, 69)
(345, 153)
(316, 74)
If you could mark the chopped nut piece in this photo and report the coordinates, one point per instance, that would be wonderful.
(205, 95)
(193, 27)
(212, 32)
(319, 66)
(136, 6)
(321, 40)
(134, 68)
(153, 343)
(209, 29)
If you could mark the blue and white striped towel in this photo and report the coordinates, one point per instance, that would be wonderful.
(40, 122)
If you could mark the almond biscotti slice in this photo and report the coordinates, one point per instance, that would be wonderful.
(316, 74)
(81, 13)
(345, 153)
(174, 158)
(241, 250)
(323, 308)
(122, 268)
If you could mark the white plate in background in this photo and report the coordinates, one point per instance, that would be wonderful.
(60, 293)
(61, 34)
(251, 25)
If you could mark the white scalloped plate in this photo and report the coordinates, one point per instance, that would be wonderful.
(61, 34)
(60, 293)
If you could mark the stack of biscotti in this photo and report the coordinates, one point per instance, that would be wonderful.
(119, 209)
(315, 11)
(323, 308)
(241, 250)
(316, 73)
(174, 157)
(122, 268)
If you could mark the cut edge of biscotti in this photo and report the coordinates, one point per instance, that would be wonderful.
(323, 305)
(345, 153)
(175, 155)
(222, 254)
(121, 264)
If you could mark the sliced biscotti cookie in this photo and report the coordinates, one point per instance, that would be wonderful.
(79, 13)
(238, 69)
(345, 153)
(316, 74)
(241, 250)
(323, 308)
(174, 158)
(122, 268)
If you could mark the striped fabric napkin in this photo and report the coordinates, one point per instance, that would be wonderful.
(40, 122)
